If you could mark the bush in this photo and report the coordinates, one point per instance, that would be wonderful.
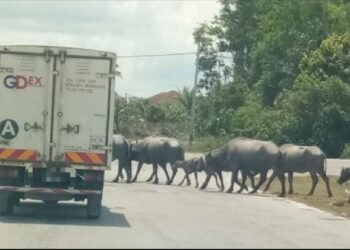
(206, 143)
(346, 152)
(256, 121)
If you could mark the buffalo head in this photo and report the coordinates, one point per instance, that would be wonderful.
(344, 175)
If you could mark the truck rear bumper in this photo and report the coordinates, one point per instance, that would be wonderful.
(52, 191)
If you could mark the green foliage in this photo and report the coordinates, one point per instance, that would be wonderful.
(288, 79)
(155, 113)
(322, 112)
(291, 71)
(206, 143)
(331, 59)
(256, 121)
(185, 99)
(346, 152)
(138, 118)
(320, 101)
(130, 116)
(175, 112)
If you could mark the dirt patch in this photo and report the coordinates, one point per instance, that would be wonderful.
(165, 97)
(337, 205)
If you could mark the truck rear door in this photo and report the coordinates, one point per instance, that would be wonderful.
(81, 109)
(25, 81)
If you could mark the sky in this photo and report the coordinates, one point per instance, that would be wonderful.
(124, 27)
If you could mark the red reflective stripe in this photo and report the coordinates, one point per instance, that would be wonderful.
(33, 157)
(68, 158)
(85, 157)
(16, 154)
(102, 157)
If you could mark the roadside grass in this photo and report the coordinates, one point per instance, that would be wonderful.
(337, 205)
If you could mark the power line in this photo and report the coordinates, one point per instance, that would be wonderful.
(157, 55)
(167, 54)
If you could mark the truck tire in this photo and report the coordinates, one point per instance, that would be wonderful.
(94, 204)
(6, 203)
(16, 200)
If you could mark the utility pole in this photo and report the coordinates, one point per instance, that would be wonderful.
(194, 92)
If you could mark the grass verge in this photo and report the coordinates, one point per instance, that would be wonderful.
(337, 205)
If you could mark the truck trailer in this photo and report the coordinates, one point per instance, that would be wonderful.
(56, 124)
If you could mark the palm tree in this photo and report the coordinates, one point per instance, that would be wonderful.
(186, 97)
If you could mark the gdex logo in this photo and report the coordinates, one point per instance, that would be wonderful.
(21, 82)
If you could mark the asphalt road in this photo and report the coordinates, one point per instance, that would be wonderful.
(143, 215)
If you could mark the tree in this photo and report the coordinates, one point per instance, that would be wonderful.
(320, 99)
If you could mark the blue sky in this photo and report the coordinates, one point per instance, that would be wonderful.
(124, 27)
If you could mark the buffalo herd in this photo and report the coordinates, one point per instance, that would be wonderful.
(249, 157)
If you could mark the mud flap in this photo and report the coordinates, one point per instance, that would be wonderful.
(6, 203)
(94, 205)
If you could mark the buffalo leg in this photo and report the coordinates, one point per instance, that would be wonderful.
(163, 166)
(326, 180)
(216, 180)
(173, 175)
(120, 173)
(282, 180)
(272, 177)
(290, 180)
(196, 178)
(188, 180)
(221, 181)
(180, 184)
(235, 177)
(230, 189)
(155, 171)
(206, 181)
(152, 175)
(251, 177)
(244, 178)
(314, 182)
(263, 177)
(139, 166)
(128, 172)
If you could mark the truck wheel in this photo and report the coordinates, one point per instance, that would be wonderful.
(16, 200)
(94, 206)
(6, 203)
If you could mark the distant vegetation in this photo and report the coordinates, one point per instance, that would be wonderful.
(288, 79)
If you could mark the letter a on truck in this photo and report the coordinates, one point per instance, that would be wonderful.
(56, 124)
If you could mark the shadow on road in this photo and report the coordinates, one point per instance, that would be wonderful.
(62, 214)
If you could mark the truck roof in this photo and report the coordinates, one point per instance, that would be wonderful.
(39, 49)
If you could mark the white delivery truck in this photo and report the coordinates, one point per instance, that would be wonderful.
(56, 124)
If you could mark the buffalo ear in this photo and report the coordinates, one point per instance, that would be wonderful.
(208, 156)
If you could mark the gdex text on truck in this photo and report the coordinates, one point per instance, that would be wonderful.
(56, 124)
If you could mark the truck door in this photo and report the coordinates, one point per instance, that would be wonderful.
(82, 110)
(25, 81)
